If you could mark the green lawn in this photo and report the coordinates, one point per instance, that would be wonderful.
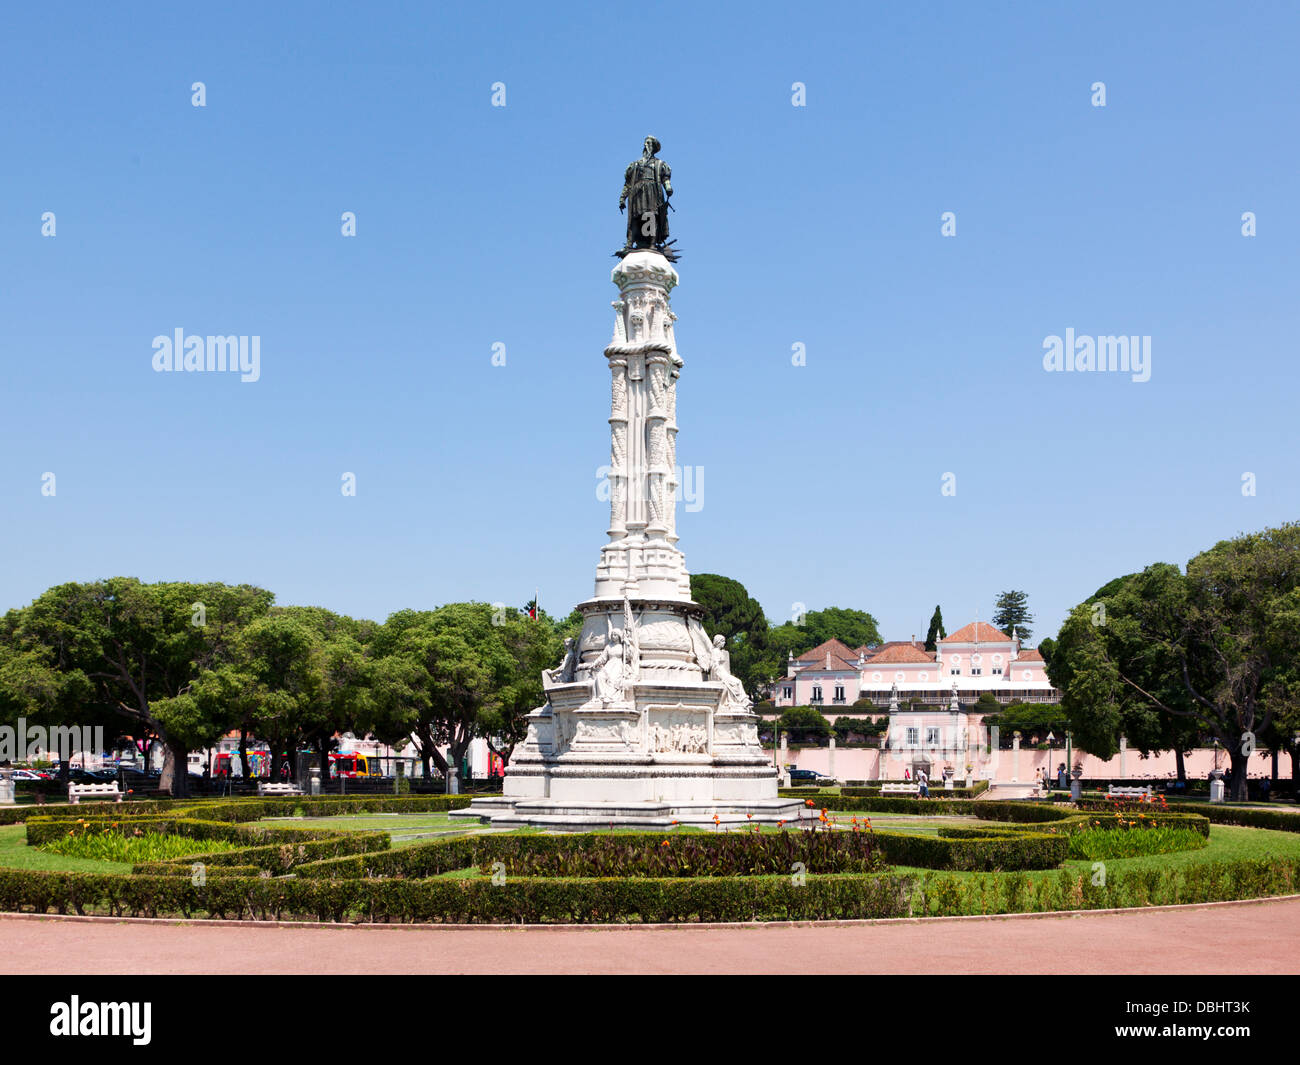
(15, 854)
(1227, 843)
(404, 829)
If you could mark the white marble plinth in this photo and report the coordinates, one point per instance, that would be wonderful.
(576, 815)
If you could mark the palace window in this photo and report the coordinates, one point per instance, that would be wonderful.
(787, 692)
(954, 672)
(975, 672)
(997, 671)
(913, 735)
(816, 694)
(839, 693)
(932, 736)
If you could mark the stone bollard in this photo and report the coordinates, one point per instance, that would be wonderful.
(453, 781)
(6, 787)
(314, 786)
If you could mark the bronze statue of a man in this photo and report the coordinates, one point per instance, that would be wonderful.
(647, 185)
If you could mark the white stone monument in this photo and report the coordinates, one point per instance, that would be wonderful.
(644, 723)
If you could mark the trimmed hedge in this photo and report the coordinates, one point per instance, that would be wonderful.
(533, 900)
(242, 809)
(702, 855)
(694, 854)
(279, 857)
(1073, 889)
(975, 850)
(639, 899)
(1243, 815)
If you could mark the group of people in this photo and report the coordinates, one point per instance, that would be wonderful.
(923, 780)
(1062, 778)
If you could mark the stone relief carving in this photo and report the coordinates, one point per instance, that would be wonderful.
(741, 734)
(678, 737)
(564, 731)
(665, 636)
(606, 732)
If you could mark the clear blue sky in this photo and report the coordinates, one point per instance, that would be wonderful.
(478, 225)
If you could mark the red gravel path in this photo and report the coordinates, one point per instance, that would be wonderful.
(1224, 938)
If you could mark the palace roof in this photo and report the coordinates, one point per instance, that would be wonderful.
(977, 632)
(899, 653)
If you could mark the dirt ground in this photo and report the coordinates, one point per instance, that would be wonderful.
(1222, 938)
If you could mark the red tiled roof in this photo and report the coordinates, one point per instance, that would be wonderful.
(869, 651)
(1030, 654)
(838, 650)
(977, 632)
(900, 652)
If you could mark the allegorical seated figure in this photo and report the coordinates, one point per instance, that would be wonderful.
(733, 696)
(608, 670)
(647, 185)
(563, 674)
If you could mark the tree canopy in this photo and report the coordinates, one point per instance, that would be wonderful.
(1164, 656)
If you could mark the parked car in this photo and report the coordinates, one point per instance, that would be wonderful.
(809, 776)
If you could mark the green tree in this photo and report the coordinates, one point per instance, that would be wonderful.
(731, 611)
(855, 628)
(459, 672)
(852, 627)
(137, 649)
(1213, 648)
(936, 632)
(1012, 610)
(803, 719)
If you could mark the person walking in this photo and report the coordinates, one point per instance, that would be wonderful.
(924, 782)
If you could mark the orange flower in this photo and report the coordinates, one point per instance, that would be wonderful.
(750, 816)
(664, 843)
(779, 824)
(808, 802)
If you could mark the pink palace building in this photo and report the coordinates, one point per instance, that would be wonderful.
(974, 659)
(946, 682)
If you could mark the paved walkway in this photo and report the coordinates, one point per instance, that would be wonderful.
(1225, 938)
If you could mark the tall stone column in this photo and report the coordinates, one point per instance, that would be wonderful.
(641, 559)
(644, 719)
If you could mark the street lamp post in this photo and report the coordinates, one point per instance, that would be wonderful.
(1050, 739)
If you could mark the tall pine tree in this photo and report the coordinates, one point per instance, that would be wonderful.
(1012, 609)
(936, 631)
